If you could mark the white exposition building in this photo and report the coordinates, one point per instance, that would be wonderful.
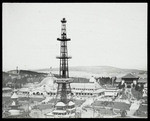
(48, 87)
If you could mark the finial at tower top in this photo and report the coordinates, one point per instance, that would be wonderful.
(63, 20)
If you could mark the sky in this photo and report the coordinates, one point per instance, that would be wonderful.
(102, 34)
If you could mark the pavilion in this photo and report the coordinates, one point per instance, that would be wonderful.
(129, 78)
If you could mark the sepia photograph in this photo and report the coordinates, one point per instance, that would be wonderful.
(74, 60)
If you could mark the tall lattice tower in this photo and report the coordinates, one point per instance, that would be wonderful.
(64, 105)
(64, 89)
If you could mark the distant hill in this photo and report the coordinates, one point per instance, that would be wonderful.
(26, 72)
(82, 72)
(27, 76)
(97, 69)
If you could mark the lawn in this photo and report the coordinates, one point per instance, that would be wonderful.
(105, 111)
(53, 100)
(36, 99)
(142, 111)
(43, 106)
(116, 105)
(6, 101)
(78, 103)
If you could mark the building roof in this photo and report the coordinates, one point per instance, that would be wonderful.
(60, 104)
(77, 91)
(71, 103)
(59, 111)
(49, 81)
(51, 88)
(24, 90)
(49, 114)
(47, 84)
(129, 75)
(6, 88)
(14, 96)
(84, 91)
(63, 80)
(50, 75)
(111, 89)
(99, 91)
(90, 85)
(14, 112)
(142, 80)
(92, 79)
(142, 75)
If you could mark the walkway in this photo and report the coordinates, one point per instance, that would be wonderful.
(88, 112)
(88, 101)
(46, 99)
(134, 106)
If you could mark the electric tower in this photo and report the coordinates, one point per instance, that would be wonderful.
(64, 89)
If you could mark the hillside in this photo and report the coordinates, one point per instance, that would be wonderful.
(80, 73)
(26, 72)
(24, 77)
(97, 70)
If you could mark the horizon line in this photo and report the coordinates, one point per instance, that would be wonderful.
(32, 69)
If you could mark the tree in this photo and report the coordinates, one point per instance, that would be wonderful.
(123, 113)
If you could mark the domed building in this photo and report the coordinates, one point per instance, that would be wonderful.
(47, 85)
(49, 81)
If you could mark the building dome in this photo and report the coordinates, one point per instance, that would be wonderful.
(49, 81)
(60, 104)
(92, 79)
(50, 75)
(71, 103)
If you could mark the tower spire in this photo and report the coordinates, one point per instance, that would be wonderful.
(63, 70)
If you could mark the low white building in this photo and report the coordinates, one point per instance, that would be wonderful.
(110, 92)
(48, 86)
